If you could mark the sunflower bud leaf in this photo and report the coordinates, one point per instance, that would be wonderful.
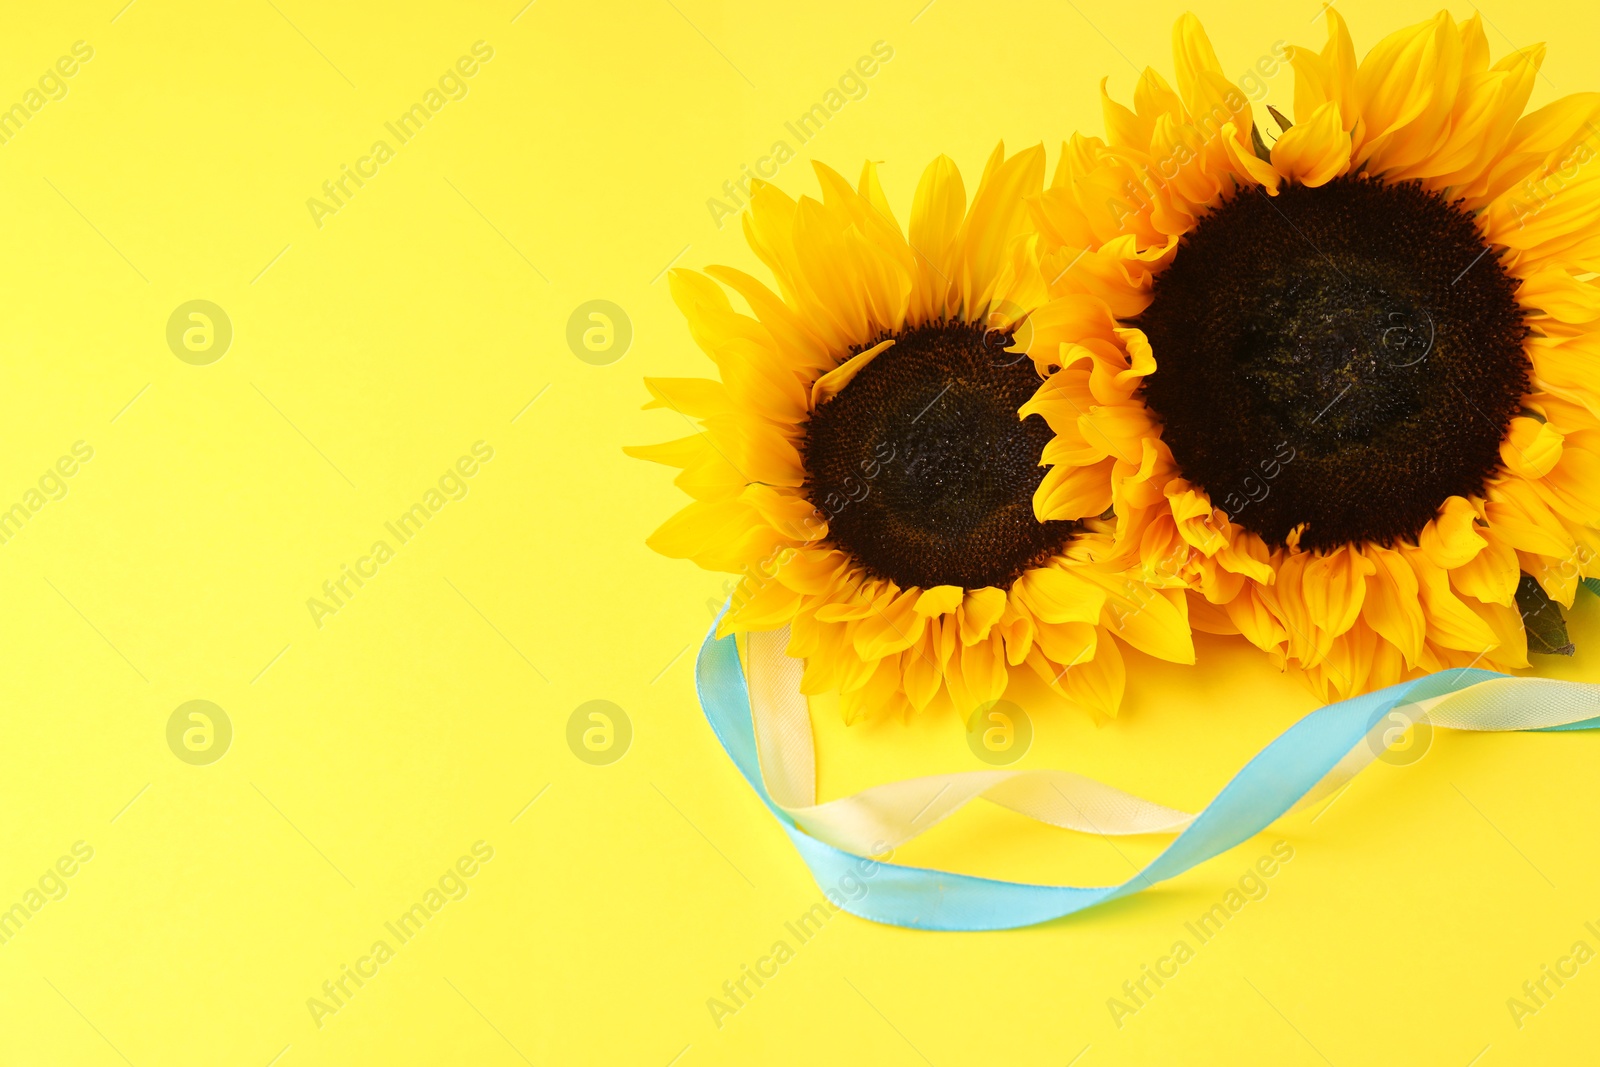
(1262, 152)
(1543, 621)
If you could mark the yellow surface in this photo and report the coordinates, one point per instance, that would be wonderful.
(373, 753)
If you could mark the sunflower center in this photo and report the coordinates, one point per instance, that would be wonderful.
(923, 469)
(1344, 357)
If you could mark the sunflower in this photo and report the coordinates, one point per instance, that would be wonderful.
(863, 465)
(1344, 387)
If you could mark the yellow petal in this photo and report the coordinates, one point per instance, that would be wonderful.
(1123, 127)
(1572, 488)
(1511, 635)
(983, 671)
(1073, 492)
(1055, 595)
(715, 326)
(1405, 86)
(923, 677)
(829, 385)
(1255, 620)
(1540, 140)
(893, 627)
(1315, 150)
(1451, 623)
(717, 534)
(697, 398)
(1155, 621)
(1531, 448)
(939, 600)
(707, 474)
(1487, 109)
(1152, 98)
(804, 349)
(871, 191)
(979, 612)
(826, 268)
(1193, 58)
(759, 605)
(680, 453)
(1392, 606)
(1492, 575)
(814, 572)
(936, 214)
(1339, 54)
(1517, 514)
(1451, 538)
(999, 212)
(1064, 646)
(787, 511)
(1245, 161)
(1017, 628)
(1335, 585)
(1313, 83)
(1098, 684)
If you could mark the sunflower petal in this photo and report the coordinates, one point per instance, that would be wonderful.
(1316, 149)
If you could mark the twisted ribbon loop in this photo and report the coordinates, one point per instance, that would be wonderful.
(762, 720)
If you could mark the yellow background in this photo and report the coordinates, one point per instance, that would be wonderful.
(372, 752)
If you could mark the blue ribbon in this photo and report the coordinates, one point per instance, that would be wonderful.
(924, 899)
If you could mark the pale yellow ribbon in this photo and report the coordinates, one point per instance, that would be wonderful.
(886, 816)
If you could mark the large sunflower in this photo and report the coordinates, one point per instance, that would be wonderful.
(862, 464)
(1347, 387)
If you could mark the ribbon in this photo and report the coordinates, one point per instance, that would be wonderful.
(763, 722)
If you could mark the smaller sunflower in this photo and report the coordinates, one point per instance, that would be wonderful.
(863, 465)
(1360, 417)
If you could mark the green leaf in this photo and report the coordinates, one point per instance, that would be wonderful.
(1260, 146)
(1277, 116)
(1542, 618)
